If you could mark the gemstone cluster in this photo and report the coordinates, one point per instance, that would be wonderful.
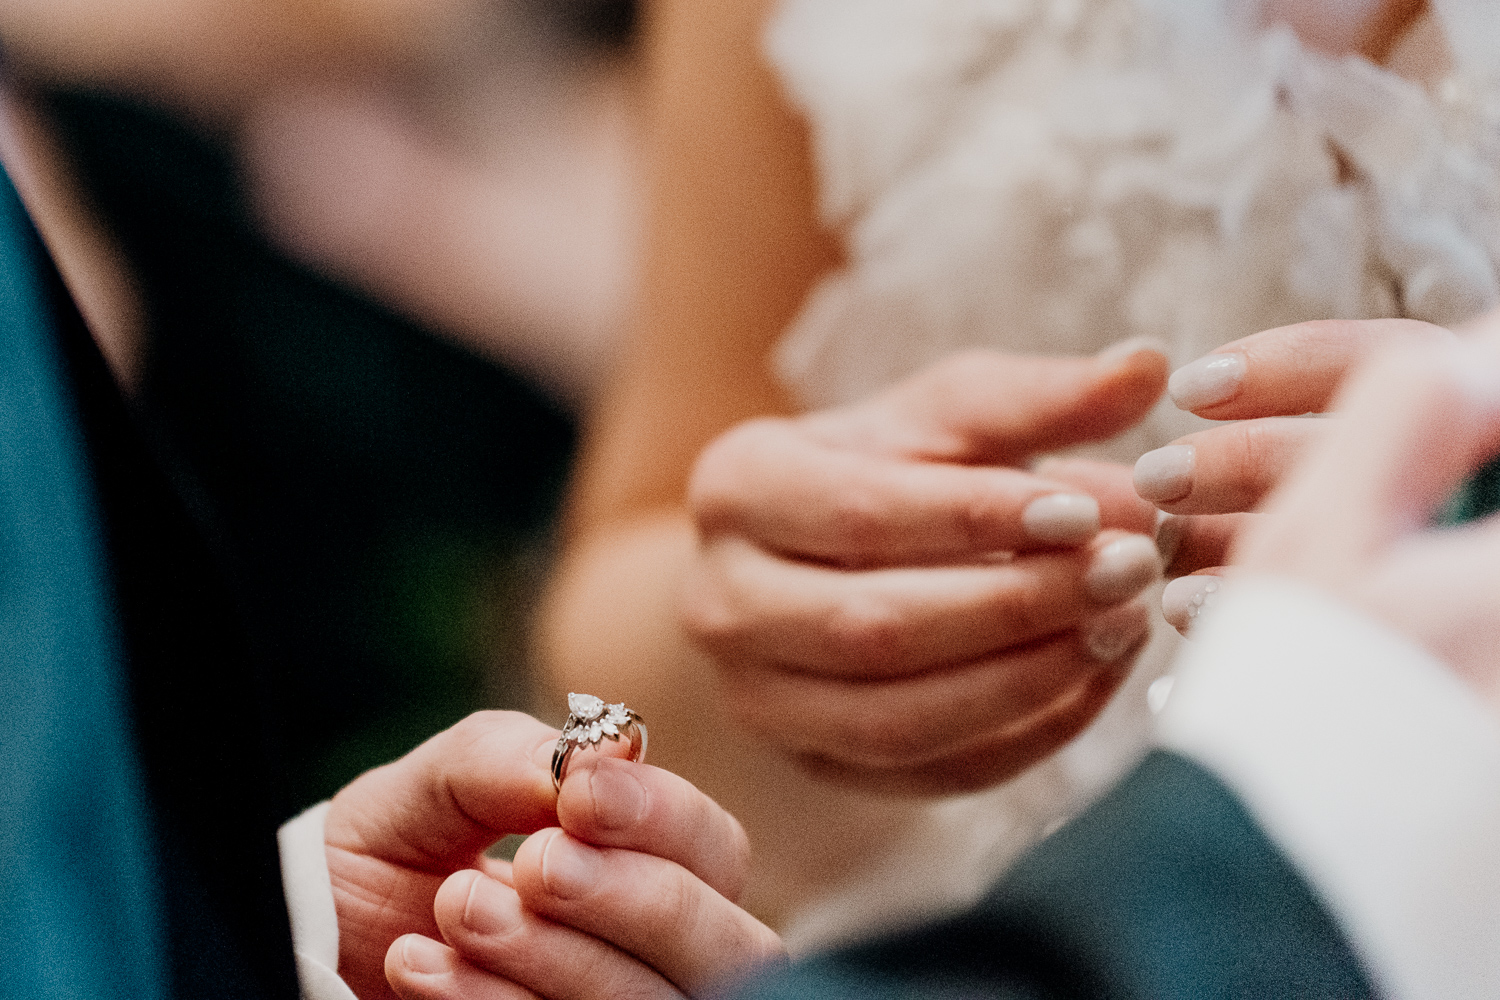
(591, 720)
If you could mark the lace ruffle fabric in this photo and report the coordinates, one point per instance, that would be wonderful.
(1057, 175)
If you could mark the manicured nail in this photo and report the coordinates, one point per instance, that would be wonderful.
(570, 869)
(1122, 569)
(1208, 381)
(1185, 598)
(1061, 518)
(1169, 530)
(619, 796)
(424, 956)
(493, 909)
(1165, 474)
(1114, 635)
(1134, 345)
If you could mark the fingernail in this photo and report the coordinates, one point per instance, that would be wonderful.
(1165, 474)
(424, 956)
(1122, 569)
(1169, 529)
(1061, 519)
(492, 909)
(619, 796)
(1134, 345)
(1115, 634)
(1208, 381)
(570, 869)
(1184, 598)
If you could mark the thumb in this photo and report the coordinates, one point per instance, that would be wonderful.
(436, 808)
(986, 407)
(1419, 421)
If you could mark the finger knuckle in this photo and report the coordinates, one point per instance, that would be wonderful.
(763, 947)
(1251, 451)
(478, 729)
(887, 738)
(979, 514)
(709, 614)
(1025, 606)
(868, 630)
(716, 485)
(671, 904)
(859, 518)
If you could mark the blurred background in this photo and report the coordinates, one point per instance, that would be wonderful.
(376, 260)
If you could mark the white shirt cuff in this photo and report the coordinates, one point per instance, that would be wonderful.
(309, 903)
(1369, 763)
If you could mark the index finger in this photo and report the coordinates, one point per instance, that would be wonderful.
(615, 803)
(439, 806)
(1418, 421)
(797, 496)
(1290, 370)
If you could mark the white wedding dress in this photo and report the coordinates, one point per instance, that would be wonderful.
(1054, 176)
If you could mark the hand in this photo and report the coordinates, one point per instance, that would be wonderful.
(396, 836)
(849, 584)
(632, 896)
(1371, 28)
(1212, 478)
(1353, 517)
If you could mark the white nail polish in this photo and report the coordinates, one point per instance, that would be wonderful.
(1165, 474)
(1061, 518)
(1186, 597)
(1122, 569)
(1134, 345)
(1208, 381)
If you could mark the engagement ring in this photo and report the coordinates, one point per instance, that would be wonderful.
(591, 720)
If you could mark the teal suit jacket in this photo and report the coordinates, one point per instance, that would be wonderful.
(1165, 890)
(138, 778)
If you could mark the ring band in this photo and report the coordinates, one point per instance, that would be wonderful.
(591, 720)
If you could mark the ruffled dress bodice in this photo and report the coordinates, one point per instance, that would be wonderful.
(1054, 176)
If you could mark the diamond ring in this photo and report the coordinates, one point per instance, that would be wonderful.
(591, 720)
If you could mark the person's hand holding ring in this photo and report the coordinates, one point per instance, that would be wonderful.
(626, 884)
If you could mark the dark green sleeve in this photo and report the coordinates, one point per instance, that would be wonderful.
(1165, 889)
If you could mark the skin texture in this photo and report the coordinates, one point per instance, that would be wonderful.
(666, 593)
(1353, 517)
(655, 870)
(1292, 370)
(1350, 517)
(842, 586)
(734, 247)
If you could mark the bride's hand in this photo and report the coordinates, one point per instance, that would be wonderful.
(848, 584)
(1353, 517)
(1211, 481)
